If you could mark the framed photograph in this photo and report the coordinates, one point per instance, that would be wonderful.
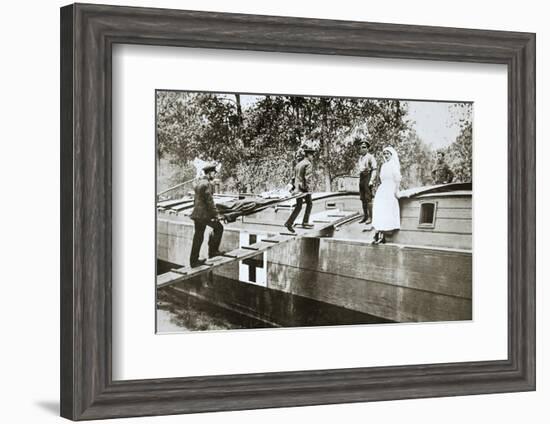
(265, 212)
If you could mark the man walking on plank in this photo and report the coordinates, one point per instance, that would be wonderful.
(205, 214)
(302, 184)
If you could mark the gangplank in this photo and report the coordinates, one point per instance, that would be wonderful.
(323, 224)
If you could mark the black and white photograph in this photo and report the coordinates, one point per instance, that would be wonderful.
(281, 210)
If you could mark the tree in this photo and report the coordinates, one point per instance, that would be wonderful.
(459, 155)
(202, 125)
(279, 124)
(416, 161)
(256, 140)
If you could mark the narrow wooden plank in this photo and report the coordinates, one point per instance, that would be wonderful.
(241, 253)
(250, 248)
(219, 260)
(277, 239)
(188, 271)
(215, 259)
(261, 245)
(167, 278)
(280, 238)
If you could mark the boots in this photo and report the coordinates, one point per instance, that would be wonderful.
(365, 220)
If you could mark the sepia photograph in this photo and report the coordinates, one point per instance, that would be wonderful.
(281, 210)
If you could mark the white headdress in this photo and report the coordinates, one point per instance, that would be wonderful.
(394, 161)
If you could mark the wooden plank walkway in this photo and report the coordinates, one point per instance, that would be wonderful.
(322, 222)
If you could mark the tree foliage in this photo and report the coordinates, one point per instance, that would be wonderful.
(416, 159)
(256, 142)
(459, 153)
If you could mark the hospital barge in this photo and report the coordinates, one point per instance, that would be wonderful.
(335, 276)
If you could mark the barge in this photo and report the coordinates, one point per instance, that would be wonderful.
(331, 274)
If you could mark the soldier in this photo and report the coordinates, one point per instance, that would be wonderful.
(298, 157)
(367, 174)
(442, 174)
(205, 214)
(302, 182)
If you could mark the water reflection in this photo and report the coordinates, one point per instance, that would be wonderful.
(178, 311)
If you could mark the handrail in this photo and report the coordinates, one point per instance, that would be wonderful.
(175, 187)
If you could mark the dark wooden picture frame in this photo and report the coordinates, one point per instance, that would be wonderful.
(88, 33)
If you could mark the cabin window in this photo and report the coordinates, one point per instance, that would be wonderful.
(330, 205)
(427, 215)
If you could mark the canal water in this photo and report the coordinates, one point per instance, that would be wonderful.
(220, 303)
(178, 310)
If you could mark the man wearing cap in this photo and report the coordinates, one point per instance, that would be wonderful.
(302, 182)
(205, 214)
(367, 174)
(299, 155)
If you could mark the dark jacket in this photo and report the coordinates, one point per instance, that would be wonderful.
(442, 174)
(302, 176)
(204, 207)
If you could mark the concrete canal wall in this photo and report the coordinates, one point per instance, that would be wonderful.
(393, 282)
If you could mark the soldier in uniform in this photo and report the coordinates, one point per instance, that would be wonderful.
(205, 214)
(302, 182)
(442, 174)
(299, 155)
(367, 174)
